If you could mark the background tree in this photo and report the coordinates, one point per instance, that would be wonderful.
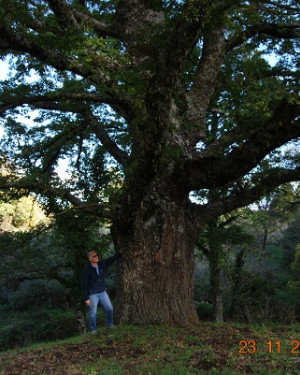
(256, 274)
(294, 284)
(149, 101)
(216, 242)
(262, 272)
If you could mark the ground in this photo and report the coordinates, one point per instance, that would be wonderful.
(160, 350)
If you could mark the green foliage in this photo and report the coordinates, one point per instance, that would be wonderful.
(27, 255)
(251, 89)
(42, 293)
(267, 276)
(34, 325)
(21, 214)
(296, 263)
(19, 211)
(255, 252)
(248, 87)
(293, 285)
(204, 310)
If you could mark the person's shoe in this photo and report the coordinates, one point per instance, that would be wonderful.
(93, 332)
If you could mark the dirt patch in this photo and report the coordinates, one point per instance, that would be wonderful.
(65, 359)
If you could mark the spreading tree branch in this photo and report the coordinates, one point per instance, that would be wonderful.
(64, 13)
(198, 96)
(39, 187)
(11, 40)
(98, 128)
(102, 29)
(67, 101)
(270, 30)
(211, 168)
(52, 104)
(40, 100)
(244, 197)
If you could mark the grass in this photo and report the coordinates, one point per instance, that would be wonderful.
(161, 350)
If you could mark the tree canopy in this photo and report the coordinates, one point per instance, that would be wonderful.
(150, 101)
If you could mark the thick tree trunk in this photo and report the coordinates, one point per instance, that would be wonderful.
(157, 269)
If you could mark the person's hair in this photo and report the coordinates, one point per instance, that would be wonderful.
(90, 252)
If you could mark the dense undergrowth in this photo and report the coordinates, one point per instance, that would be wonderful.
(23, 328)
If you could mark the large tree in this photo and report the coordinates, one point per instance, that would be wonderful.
(150, 101)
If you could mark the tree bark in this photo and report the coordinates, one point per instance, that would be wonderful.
(214, 254)
(156, 271)
(215, 275)
(219, 309)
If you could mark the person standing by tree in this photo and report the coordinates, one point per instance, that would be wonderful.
(94, 288)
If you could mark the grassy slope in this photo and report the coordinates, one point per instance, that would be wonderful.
(151, 350)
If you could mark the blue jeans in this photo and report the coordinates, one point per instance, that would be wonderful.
(104, 300)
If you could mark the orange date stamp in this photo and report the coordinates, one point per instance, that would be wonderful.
(251, 347)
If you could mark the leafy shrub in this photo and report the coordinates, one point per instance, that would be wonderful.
(38, 293)
(204, 310)
(24, 328)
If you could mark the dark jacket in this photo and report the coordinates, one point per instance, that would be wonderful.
(93, 283)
